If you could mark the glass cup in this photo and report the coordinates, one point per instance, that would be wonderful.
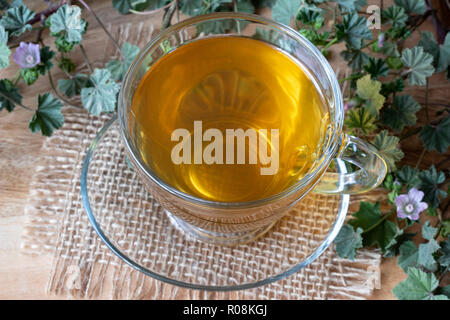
(237, 222)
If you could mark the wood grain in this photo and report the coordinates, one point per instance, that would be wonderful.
(25, 277)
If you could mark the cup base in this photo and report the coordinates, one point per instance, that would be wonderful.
(225, 239)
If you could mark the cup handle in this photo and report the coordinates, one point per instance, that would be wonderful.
(372, 170)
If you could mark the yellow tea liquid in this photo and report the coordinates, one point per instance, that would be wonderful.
(229, 83)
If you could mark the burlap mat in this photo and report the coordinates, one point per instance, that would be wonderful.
(84, 267)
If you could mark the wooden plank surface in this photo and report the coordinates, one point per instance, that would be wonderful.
(25, 277)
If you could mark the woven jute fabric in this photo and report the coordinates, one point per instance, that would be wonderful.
(83, 267)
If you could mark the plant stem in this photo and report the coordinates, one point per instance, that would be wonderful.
(86, 58)
(150, 12)
(368, 44)
(167, 18)
(103, 27)
(17, 78)
(426, 101)
(420, 157)
(329, 44)
(53, 7)
(64, 70)
(15, 102)
(52, 84)
(380, 221)
(353, 76)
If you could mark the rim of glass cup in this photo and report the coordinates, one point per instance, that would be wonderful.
(324, 161)
(334, 229)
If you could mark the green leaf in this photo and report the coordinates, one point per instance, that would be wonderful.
(347, 241)
(3, 35)
(191, 7)
(67, 20)
(102, 97)
(408, 255)
(62, 45)
(394, 63)
(388, 88)
(123, 6)
(9, 95)
(412, 6)
(436, 137)
(384, 236)
(14, 20)
(368, 215)
(402, 113)
(419, 63)
(409, 176)
(376, 68)
(244, 6)
(66, 64)
(395, 15)
(284, 10)
(46, 60)
(445, 291)
(360, 119)
(429, 184)
(48, 116)
(369, 90)
(4, 50)
(445, 230)
(426, 251)
(376, 229)
(444, 260)
(440, 53)
(29, 75)
(310, 17)
(388, 147)
(264, 3)
(390, 49)
(351, 5)
(355, 58)
(72, 87)
(353, 30)
(428, 232)
(418, 286)
(4, 55)
(119, 68)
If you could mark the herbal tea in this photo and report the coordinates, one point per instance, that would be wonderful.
(228, 119)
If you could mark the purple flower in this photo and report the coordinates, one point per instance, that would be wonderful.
(380, 40)
(410, 205)
(350, 104)
(27, 55)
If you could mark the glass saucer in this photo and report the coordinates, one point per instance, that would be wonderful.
(135, 227)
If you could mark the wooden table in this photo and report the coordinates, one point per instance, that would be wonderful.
(25, 277)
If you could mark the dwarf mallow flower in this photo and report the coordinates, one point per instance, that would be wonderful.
(381, 40)
(27, 55)
(410, 205)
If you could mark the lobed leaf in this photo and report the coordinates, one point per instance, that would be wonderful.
(412, 6)
(436, 137)
(347, 241)
(418, 286)
(429, 184)
(402, 112)
(388, 147)
(102, 96)
(15, 20)
(67, 20)
(419, 63)
(369, 90)
(48, 116)
(9, 95)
